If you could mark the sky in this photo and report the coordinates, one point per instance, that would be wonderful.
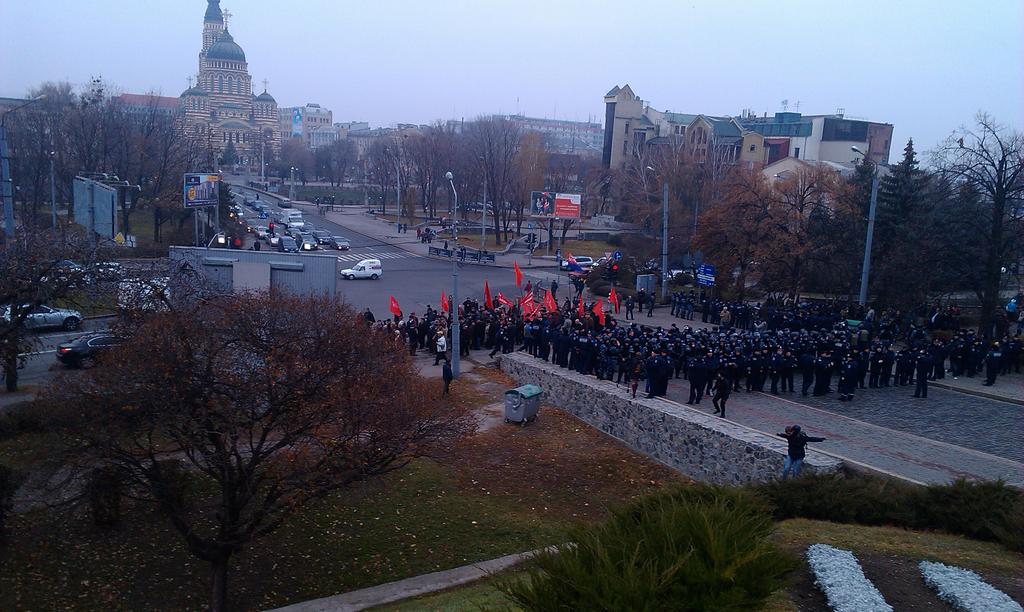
(925, 66)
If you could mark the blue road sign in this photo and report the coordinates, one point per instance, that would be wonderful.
(706, 275)
(617, 255)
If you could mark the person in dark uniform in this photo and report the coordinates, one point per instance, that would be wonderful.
(697, 375)
(993, 361)
(849, 374)
(806, 371)
(822, 374)
(775, 370)
(447, 376)
(723, 386)
(876, 362)
(786, 374)
(924, 369)
(888, 359)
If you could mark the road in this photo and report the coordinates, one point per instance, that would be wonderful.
(39, 361)
(414, 280)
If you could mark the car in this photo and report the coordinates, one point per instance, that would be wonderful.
(261, 231)
(43, 317)
(308, 243)
(338, 242)
(287, 244)
(367, 268)
(322, 236)
(285, 203)
(583, 261)
(82, 352)
(296, 224)
(274, 239)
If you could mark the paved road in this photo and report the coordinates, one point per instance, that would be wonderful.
(414, 280)
(935, 440)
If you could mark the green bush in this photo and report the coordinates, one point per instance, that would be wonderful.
(982, 510)
(706, 548)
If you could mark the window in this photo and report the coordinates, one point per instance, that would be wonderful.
(753, 148)
(796, 152)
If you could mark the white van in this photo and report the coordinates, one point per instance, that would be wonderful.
(367, 268)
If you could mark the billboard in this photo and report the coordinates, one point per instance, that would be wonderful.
(95, 206)
(201, 190)
(296, 122)
(555, 205)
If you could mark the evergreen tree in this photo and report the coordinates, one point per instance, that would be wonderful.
(230, 156)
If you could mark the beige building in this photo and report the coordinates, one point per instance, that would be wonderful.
(221, 107)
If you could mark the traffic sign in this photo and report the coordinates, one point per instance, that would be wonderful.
(706, 275)
(617, 255)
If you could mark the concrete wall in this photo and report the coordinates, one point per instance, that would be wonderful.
(701, 446)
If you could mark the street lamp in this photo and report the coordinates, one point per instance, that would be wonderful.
(53, 196)
(5, 169)
(664, 235)
(291, 189)
(455, 278)
(866, 267)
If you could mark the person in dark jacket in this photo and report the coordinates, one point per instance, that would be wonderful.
(993, 362)
(723, 387)
(806, 371)
(924, 369)
(797, 440)
(446, 375)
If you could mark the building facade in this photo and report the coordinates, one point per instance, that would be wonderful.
(221, 108)
(312, 123)
(632, 127)
(561, 136)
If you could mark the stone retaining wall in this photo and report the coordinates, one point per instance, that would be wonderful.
(701, 446)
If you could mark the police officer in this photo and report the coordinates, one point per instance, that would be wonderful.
(723, 386)
(697, 375)
(924, 366)
(993, 361)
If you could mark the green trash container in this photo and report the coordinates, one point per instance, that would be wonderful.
(522, 404)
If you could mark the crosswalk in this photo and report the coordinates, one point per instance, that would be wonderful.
(350, 256)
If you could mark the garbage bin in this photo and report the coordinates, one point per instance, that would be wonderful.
(522, 403)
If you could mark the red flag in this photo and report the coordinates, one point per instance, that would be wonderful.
(393, 307)
(599, 310)
(526, 299)
(519, 274)
(613, 299)
(488, 303)
(549, 301)
(444, 302)
(580, 310)
(504, 300)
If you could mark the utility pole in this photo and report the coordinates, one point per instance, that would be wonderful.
(53, 197)
(664, 238)
(455, 279)
(865, 270)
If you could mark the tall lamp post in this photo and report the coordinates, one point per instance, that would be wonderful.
(6, 191)
(291, 189)
(53, 196)
(866, 267)
(455, 278)
(664, 235)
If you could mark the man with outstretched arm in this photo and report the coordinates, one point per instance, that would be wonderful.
(797, 440)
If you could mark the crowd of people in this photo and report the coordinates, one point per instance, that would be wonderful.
(781, 348)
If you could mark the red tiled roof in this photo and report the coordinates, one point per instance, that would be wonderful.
(149, 100)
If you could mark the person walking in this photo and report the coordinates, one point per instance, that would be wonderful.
(446, 376)
(630, 304)
(797, 441)
(441, 347)
(993, 362)
(650, 305)
(723, 387)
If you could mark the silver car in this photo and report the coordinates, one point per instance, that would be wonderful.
(43, 317)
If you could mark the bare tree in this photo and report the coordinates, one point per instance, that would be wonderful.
(988, 162)
(495, 142)
(272, 403)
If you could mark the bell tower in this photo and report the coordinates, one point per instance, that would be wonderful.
(213, 25)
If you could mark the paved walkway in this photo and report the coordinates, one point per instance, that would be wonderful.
(408, 588)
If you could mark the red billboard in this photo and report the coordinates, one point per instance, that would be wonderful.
(555, 205)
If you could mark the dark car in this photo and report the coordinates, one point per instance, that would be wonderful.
(338, 242)
(83, 351)
(287, 244)
(322, 236)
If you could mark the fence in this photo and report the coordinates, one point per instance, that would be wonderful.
(463, 255)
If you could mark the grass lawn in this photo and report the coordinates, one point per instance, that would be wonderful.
(794, 535)
(590, 248)
(505, 490)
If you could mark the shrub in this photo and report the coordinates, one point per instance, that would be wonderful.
(705, 549)
(983, 510)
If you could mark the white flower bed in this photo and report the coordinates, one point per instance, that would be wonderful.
(965, 590)
(839, 575)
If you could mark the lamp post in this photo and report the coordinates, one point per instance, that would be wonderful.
(455, 278)
(6, 192)
(664, 235)
(866, 267)
(53, 197)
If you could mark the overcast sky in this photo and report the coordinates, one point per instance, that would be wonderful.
(926, 66)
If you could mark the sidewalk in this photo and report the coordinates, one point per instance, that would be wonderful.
(1009, 388)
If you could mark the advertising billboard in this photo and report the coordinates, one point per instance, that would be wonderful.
(296, 122)
(555, 205)
(96, 206)
(201, 190)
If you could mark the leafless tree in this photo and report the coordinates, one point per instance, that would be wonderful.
(495, 142)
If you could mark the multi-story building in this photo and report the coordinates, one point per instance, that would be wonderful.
(562, 136)
(221, 107)
(312, 123)
(632, 128)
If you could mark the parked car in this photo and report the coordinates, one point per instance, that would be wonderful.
(338, 242)
(43, 317)
(367, 268)
(584, 262)
(322, 236)
(82, 352)
(287, 244)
